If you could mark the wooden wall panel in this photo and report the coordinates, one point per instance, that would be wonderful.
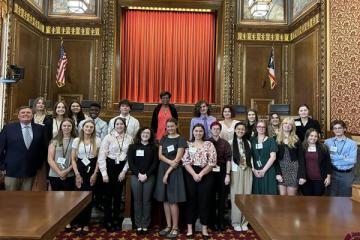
(305, 86)
(80, 70)
(253, 80)
(27, 52)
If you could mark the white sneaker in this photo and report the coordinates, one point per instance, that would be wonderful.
(237, 228)
(244, 228)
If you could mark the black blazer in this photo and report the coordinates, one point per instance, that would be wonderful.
(294, 156)
(323, 160)
(301, 130)
(17, 160)
(154, 119)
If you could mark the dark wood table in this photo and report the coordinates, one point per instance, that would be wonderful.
(38, 215)
(285, 217)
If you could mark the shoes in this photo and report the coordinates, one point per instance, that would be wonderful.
(68, 228)
(145, 231)
(109, 227)
(244, 228)
(189, 235)
(221, 227)
(214, 227)
(173, 233)
(117, 226)
(165, 231)
(205, 236)
(139, 231)
(237, 228)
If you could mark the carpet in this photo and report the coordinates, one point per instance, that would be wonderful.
(97, 232)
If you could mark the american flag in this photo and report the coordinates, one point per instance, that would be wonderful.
(60, 73)
(271, 69)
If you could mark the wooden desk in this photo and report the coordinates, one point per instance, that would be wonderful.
(38, 215)
(284, 217)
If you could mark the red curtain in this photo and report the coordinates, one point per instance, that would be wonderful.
(173, 51)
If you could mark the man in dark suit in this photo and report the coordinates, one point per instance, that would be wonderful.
(22, 148)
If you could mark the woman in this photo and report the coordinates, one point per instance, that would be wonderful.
(228, 124)
(61, 175)
(170, 186)
(113, 167)
(40, 116)
(251, 120)
(162, 112)
(52, 125)
(202, 116)
(290, 170)
(263, 151)
(274, 123)
(241, 177)
(199, 159)
(76, 112)
(84, 153)
(317, 164)
(304, 122)
(143, 160)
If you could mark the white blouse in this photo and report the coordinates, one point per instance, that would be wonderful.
(227, 133)
(85, 150)
(114, 146)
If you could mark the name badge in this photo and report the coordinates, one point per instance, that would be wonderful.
(312, 149)
(259, 146)
(216, 168)
(85, 161)
(139, 153)
(61, 160)
(297, 123)
(333, 149)
(192, 150)
(229, 130)
(170, 148)
(234, 167)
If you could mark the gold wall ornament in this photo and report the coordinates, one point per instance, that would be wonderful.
(228, 57)
(280, 37)
(55, 30)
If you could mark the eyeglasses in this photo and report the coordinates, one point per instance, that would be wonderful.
(338, 128)
(261, 127)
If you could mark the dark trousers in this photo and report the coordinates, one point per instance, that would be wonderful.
(83, 219)
(198, 195)
(313, 188)
(113, 192)
(218, 197)
(341, 184)
(142, 196)
(68, 184)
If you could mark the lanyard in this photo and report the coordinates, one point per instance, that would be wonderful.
(339, 152)
(67, 147)
(86, 154)
(122, 143)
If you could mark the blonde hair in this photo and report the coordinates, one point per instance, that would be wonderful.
(293, 138)
(92, 137)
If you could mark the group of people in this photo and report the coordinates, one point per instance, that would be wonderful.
(246, 157)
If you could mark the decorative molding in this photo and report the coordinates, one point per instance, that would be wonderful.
(108, 52)
(55, 30)
(240, 70)
(29, 18)
(323, 64)
(228, 68)
(280, 37)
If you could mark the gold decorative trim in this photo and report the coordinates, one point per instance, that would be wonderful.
(273, 37)
(169, 9)
(28, 18)
(280, 37)
(55, 30)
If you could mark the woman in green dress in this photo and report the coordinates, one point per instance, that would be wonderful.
(264, 150)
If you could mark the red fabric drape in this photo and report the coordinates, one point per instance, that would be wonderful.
(173, 51)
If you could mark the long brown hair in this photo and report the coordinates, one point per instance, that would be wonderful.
(92, 137)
